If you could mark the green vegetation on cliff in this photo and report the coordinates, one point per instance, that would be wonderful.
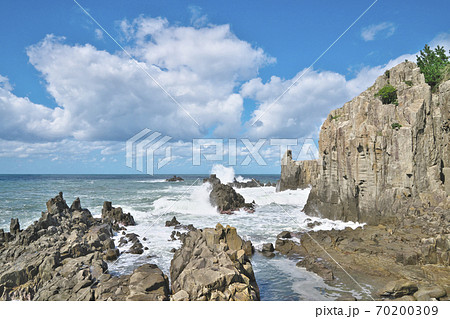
(433, 65)
(388, 94)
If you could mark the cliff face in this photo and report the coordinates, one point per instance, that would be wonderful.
(371, 171)
(296, 174)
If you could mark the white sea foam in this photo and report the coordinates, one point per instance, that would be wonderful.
(225, 174)
(152, 181)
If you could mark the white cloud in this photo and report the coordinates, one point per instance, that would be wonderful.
(99, 34)
(369, 33)
(302, 110)
(197, 18)
(107, 97)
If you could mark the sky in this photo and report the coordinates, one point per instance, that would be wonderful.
(80, 78)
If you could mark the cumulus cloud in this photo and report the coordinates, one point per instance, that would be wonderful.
(105, 96)
(369, 33)
(21, 119)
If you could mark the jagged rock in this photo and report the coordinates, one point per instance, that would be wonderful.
(76, 205)
(212, 179)
(296, 174)
(211, 265)
(136, 249)
(61, 257)
(175, 179)
(226, 199)
(173, 222)
(116, 215)
(14, 227)
(370, 169)
(252, 183)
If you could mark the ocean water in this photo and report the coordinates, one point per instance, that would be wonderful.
(152, 201)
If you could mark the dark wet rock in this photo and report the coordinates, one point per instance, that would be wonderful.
(175, 179)
(268, 247)
(284, 234)
(116, 215)
(313, 224)
(252, 183)
(211, 265)
(173, 222)
(112, 254)
(123, 241)
(212, 179)
(14, 227)
(76, 205)
(317, 266)
(226, 199)
(136, 249)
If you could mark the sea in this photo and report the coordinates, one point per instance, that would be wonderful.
(152, 201)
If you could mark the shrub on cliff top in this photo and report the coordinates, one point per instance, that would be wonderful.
(432, 64)
(388, 95)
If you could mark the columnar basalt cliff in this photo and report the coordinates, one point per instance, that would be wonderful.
(297, 174)
(380, 162)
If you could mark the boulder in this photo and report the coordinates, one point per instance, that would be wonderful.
(227, 200)
(211, 265)
(427, 292)
(112, 254)
(268, 247)
(173, 222)
(148, 282)
(399, 288)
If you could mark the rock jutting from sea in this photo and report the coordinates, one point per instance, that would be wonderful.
(379, 162)
(386, 165)
(225, 198)
(63, 256)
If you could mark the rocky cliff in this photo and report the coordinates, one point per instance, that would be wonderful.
(379, 162)
(296, 174)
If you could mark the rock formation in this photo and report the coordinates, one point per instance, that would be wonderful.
(225, 198)
(175, 179)
(296, 174)
(213, 264)
(379, 162)
(62, 257)
(117, 216)
(378, 256)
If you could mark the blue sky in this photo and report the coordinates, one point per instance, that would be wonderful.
(69, 97)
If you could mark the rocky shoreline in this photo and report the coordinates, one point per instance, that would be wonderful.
(386, 165)
(65, 254)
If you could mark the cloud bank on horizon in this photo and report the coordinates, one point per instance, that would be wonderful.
(103, 98)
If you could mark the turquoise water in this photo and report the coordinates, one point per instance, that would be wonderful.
(152, 201)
